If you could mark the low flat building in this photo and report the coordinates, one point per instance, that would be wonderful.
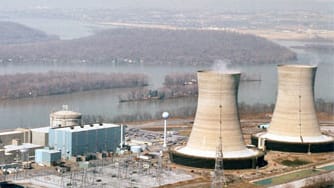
(47, 157)
(22, 152)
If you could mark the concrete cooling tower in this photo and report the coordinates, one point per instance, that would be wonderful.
(294, 125)
(217, 117)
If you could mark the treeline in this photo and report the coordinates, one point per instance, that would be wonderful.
(138, 116)
(175, 85)
(53, 83)
(14, 33)
(320, 48)
(324, 106)
(244, 109)
(151, 46)
(320, 105)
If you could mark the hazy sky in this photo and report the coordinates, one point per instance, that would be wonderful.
(223, 5)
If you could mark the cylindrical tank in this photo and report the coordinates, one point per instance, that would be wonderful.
(65, 118)
(294, 113)
(24, 154)
(135, 149)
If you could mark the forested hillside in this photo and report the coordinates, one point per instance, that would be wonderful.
(14, 33)
(151, 46)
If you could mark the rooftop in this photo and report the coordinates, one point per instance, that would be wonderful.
(10, 132)
(65, 114)
(24, 146)
(47, 150)
(41, 129)
(88, 127)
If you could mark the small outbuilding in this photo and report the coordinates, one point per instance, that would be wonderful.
(47, 157)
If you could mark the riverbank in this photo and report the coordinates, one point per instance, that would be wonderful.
(28, 85)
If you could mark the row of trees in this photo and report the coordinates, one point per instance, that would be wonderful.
(151, 46)
(185, 85)
(52, 83)
(175, 85)
(139, 116)
(244, 109)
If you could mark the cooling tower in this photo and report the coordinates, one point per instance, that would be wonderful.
(294, 125)
(217, 116)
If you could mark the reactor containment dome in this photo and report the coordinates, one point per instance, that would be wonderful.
(217, 124)
(65, 118)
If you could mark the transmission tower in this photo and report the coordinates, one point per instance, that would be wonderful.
(218, 179)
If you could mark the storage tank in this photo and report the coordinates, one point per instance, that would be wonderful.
(217, 116)
(136, 149)
(294, 125)
(65, 118)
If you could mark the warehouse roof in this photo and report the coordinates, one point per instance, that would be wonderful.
(10, 132)
(24, 146)
(41, 129)
(88, 127)
(47, 150)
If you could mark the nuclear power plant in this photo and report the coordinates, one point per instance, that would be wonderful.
(69, 152)
(217, 124)
(294, 126)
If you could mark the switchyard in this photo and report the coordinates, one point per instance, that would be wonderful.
(128, 170)
(124, 171)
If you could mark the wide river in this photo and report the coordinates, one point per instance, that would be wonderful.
(34, 112)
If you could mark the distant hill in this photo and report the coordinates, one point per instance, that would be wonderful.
(152, 46)
(14, 33)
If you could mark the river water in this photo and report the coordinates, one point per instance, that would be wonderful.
(34, 112)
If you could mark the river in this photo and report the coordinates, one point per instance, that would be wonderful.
(34, 112)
